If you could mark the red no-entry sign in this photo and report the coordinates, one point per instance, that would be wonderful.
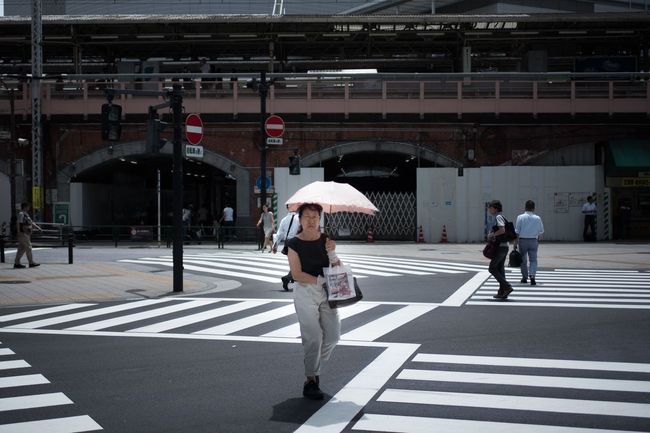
(274, 126)
(194, 129)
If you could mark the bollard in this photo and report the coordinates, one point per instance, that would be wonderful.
(70, 247)
(2, 249)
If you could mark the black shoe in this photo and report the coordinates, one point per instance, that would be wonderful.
(33, 265)
(532, 281)
(524, 280)
(285, 283)
(506, 292)
(311, 390)
(19, 266)
(499, 294)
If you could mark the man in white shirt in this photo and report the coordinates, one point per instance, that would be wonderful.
(286, 230)
(589, 210)
(529, 229)
(228, 220)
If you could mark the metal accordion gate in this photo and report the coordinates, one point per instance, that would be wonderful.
(395, 221)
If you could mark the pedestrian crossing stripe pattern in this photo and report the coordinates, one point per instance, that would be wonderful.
(270, 267)
(16, 384)
(552, 395)
(213, 316)
(572, 288)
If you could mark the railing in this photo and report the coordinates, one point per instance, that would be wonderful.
(396, 93)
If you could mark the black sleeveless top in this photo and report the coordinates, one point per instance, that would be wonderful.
(312, 254)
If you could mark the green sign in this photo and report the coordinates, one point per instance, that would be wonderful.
(62, 213)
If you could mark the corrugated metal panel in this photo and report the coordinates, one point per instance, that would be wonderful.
(577, 154)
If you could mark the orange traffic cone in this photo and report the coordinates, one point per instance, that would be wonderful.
(443, 237)
(421, 236)
(370, 237)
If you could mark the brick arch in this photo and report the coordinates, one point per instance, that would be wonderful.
(314, 159)
(138, 148)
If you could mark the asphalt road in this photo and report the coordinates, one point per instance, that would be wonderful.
(425, 353)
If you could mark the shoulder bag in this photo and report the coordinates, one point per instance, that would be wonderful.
(285, 248)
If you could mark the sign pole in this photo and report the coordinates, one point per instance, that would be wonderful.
(264, 89)
(177, 109)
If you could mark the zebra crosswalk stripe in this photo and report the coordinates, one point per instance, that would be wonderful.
(22, 380)
(413, 424)
(268, 268)
(33, 401)
(71, 424)
(512, 402)
(250, 321)
(518, 394)
(199, 317)
(579, 289)
(181, 310)
(293, 330)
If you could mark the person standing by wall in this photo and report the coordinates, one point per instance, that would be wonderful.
(498, 262)
(286, 230)
(589, 211)
(529, 228)
(24, 228)
(266, 220)
(228, 220)
(309, 252)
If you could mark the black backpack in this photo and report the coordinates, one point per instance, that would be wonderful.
(510, 234)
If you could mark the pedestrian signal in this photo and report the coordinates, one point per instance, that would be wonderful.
(294, 165)
(111, 118)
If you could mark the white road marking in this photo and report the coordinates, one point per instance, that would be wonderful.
(527, 380)
(4, 352)
(413, 424)
(515, 402)
(8, 365)
(293, 330)
(247, 322)
(199, 317)
(139, 316)
(42, 311)
(346, 404)
(32, 401)
(532, 362)
(72, 424)
(466, 290)
(23, 380)
(387, 323)
(206, 270)
(86, 314)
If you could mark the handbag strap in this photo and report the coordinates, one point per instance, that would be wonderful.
(286, 236)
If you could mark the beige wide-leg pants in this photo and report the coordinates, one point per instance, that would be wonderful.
(24, 247)
(320, 327)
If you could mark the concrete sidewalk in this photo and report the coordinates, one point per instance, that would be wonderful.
(109, 279)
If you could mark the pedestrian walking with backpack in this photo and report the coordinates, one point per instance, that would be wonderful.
(24, 228)
(529, 228)
(497, 263)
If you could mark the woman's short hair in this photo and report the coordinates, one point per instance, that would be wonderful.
(311, 206)
(497, 205)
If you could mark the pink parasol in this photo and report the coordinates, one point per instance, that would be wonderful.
(333, 197)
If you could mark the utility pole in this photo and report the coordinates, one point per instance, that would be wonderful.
(177, 252)
(264, 91)
(37, 74)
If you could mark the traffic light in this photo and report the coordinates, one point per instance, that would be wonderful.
(294, 165)
(154, 127)
(111, 117)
